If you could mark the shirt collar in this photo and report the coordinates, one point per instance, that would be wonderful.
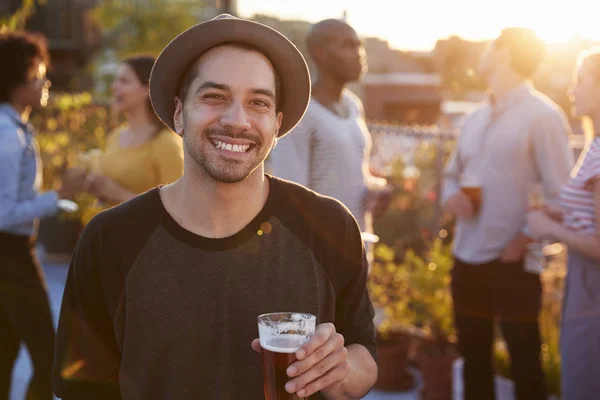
(9, 110)
(511, 97)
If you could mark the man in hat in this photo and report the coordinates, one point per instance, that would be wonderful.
(163, 291)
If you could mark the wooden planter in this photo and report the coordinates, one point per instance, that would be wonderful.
(436, 369)
(393, 361)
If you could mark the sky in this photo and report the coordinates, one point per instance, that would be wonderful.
(417, 24)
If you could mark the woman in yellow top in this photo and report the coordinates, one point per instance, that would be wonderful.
(139, 155)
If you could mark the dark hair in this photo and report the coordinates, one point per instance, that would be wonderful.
(191, 72)
(142, 67)
(526, 49)
(19, 53)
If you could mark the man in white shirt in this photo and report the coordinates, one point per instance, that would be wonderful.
(329, 149)
(515, 142)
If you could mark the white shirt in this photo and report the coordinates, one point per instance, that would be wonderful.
(505, 147)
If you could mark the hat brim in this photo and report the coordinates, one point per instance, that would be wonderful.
(190, 44)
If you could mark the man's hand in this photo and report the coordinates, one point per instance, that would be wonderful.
(101, 186)
(541, 223)
(516, 249)
(106, 189)
(72, 182)
(379, 200)
(322, 363)
(460, 205)
(556, 214)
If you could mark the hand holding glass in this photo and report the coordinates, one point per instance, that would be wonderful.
(281, 335)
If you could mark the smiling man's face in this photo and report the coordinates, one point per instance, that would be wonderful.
(228, 118)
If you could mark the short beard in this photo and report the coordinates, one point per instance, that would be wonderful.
(229, 174)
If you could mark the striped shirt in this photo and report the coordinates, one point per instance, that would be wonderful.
(577, 196)
(330, 155)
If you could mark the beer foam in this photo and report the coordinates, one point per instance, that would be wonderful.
(283, 343)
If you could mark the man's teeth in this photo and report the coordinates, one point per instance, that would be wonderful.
(236, 148)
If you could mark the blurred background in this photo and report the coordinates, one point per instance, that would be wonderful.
(422, 55)
(422, 80)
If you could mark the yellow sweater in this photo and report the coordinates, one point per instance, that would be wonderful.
(138, 169)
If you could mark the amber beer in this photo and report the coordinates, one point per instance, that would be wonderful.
(474, 194)
(536, 197)
(277, 355)
(281, 335)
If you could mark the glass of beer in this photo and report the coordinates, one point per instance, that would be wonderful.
(474, 194)
(472, 188)
(281, 335)
(535, 260)
(536, 199)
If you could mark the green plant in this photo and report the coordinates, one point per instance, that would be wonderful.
(144, 27)
(415, 292)
(501, 359)
(549, 327)
(19, 18)
(70, 125)
(431, 296)
(388, 284)
(408, 223)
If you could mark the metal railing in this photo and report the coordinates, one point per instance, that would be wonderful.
(392, 141)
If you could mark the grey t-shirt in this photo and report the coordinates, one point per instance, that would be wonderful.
(330, 155)
(153, 311)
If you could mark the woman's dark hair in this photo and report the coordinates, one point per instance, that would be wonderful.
(142, 67)
(20, 51)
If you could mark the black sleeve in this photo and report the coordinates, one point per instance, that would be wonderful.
(328, 228)
(354, 310)
(86, 363)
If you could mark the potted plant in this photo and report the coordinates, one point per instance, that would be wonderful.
(405, 224)
(70, 125)
(388, 284)
(431, 300)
